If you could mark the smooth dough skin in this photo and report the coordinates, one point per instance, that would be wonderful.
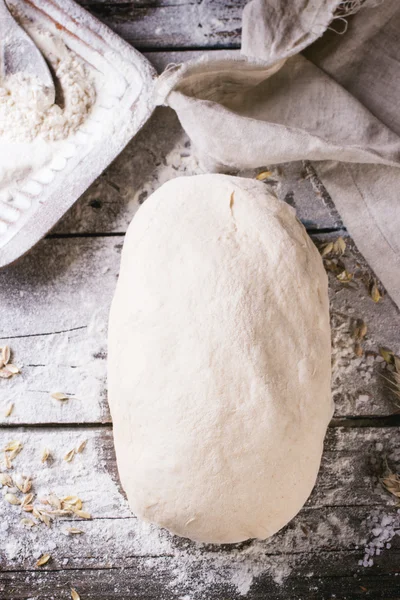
(219, 360)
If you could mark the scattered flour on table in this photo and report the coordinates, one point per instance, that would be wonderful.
(78, 369)
(177, 163)
(191, 568)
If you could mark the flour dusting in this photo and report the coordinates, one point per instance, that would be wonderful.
(189, 564)
(190, 569)
(25, 112)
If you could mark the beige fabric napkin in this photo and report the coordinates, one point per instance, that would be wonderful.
(337, 104)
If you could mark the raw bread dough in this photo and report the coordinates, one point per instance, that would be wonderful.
(219, 360)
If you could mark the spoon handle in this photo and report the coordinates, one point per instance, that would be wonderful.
(4, 26)
(19, 54)
(4, 12)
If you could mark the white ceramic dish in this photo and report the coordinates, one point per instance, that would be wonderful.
(32, 203)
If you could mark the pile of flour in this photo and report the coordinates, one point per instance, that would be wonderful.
(25, 112)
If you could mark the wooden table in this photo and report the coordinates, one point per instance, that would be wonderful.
(54, 307)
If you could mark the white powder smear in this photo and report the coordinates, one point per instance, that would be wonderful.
(25, 112)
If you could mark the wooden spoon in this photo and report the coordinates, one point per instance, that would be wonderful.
(19, 54)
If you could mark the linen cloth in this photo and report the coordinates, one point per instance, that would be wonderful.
(337, 104)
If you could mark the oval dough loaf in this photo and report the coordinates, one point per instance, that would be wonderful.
(219, 360)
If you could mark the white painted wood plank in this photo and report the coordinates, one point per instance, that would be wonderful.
(166, 24)
(326, 575)
(54, 313)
